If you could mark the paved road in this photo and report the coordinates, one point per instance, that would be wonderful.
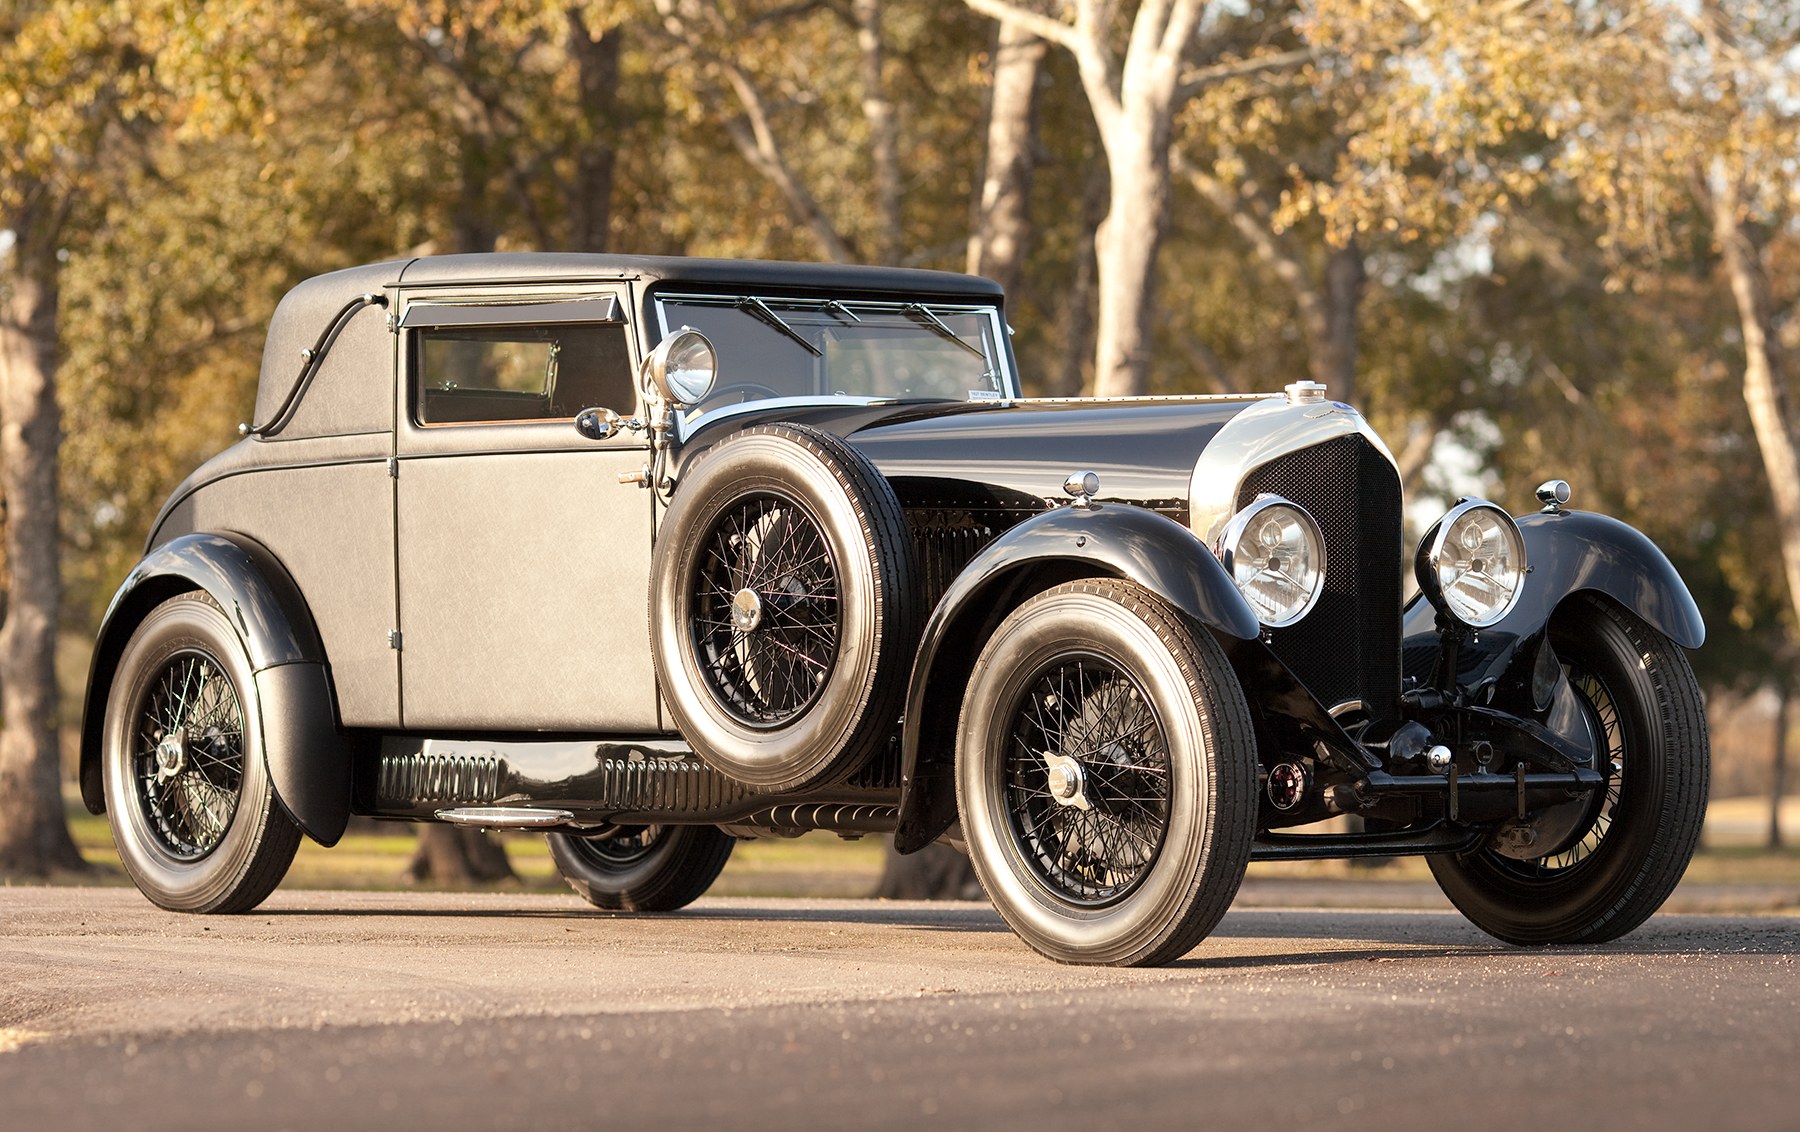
(333, 1010)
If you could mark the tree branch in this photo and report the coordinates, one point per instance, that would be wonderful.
(1278, 253)
(1200, 78)
(755, 138)
(1042, 26)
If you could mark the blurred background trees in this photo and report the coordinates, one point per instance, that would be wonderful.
(1528, 238)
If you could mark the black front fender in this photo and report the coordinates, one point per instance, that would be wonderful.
(1570, 552)
(307, 757)
(1057, 546)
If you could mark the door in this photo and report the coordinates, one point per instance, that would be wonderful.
(523, 564)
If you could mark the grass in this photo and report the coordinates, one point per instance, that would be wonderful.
(822, 865)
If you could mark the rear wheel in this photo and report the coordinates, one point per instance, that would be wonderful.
(1106, 776)
(193, 813)
(642, 868)
(1607, 874)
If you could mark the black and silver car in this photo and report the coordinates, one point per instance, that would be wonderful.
(658, 554)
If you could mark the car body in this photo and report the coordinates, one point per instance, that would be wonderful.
(658, 553)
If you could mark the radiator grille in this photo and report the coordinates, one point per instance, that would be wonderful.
(1348, 647)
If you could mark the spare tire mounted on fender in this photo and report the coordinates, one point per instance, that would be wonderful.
(783, 610)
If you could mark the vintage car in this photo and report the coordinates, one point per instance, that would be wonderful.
(656, 554)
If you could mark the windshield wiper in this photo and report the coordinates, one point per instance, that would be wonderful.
(840, 309)
(763, 311)
(943, 328)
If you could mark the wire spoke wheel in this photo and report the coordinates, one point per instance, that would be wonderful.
(783, 608)
(627, 846)
(188, 761)
(766, 620)
(1094, 846)
(1603, 715)
(1106, 775)
(1604, 864)
(641, 868)
(193, 810)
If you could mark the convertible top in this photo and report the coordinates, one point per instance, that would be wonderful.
(524, 267)
(309, 308)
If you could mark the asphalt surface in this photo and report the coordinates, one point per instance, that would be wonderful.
(328, 1010)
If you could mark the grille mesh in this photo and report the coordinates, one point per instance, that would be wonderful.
(1348, 647)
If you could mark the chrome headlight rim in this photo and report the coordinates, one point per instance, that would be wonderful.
(1430, 557)
(673, 371)
(1226, 552)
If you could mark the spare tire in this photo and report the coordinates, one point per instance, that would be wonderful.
(784, 612)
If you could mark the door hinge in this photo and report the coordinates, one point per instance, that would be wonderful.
(393, 323)
(393, 467)
(394, 639)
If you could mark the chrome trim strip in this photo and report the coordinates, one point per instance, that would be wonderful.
(1145, 399)
(505, 817)
(1266, 431)
(686, 424)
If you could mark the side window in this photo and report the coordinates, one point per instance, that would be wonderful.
(465, 374)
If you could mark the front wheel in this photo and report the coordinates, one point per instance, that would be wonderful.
(642, 868)
(1106, 776)
(193, 812)
(1609, 874)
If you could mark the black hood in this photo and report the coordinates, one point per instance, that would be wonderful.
(1017, 453)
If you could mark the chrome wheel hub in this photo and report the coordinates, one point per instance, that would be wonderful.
(1068, 785)
(171, 755)
(746, 611)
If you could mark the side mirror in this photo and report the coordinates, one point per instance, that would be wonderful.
(603, 424)
(682, 368)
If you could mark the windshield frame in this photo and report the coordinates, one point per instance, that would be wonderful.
(1005, 377)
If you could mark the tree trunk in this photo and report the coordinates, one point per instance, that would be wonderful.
(1125, 250)
(455, 855)
(1078, 306)
(596, 55)
(884, 133)
(34, 835)
(1778, 779)
(936, 872)
(1002, 228)
(1763, 390)
(1334, 357)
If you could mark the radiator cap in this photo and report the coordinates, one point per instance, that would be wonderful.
(1305, 392)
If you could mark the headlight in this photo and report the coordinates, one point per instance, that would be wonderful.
(683, 367)
(1471, 565)
(1274, 553)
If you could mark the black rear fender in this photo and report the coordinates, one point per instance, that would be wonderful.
(307, 755)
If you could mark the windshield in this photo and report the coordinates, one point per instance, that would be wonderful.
(784, 347)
